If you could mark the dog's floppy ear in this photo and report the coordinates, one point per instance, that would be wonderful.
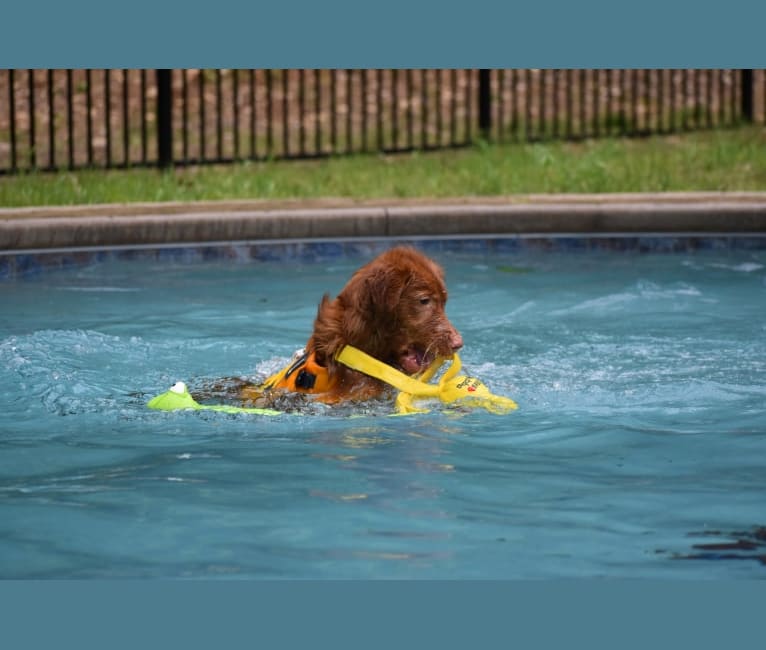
(384, 290)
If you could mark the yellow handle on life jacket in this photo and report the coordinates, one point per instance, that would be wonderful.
(363, 362)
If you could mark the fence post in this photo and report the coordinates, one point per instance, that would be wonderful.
(485, 105)
(164, 118)
(747, 95)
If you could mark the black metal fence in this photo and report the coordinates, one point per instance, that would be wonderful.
(71, 119)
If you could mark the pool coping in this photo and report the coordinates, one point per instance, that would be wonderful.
(178, 223)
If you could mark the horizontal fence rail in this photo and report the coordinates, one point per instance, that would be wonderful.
(72, 119)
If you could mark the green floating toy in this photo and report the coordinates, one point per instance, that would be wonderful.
(178, 398)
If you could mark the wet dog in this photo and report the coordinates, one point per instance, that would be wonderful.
(393, 308)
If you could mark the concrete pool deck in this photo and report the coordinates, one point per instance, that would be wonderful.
(139, 224)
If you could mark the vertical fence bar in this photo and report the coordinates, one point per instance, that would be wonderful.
(596, 99)
(697, 90)
(650, 117)
(622, 86)
(88, 116)
(609, 119)
(660, 119)
(218, 115)
(622, 92)
(423, 110)
(253, 122)
(302, 111)
(51, 123)
(379, 109)
(235, 99)
(583, 97)
(410, 125)
(527, 105)
(439, 107)
(144, 129)
(606, 103)
(570, 104)
(485, 105)
(202, 120)
(590, 98)
(285, 114)
(70, 119)
(364, 109)
(107, 117)
(631, 97)
(721, 117)
(645, 102)
(317, 111)
(652, 106)
(673, 100)
(684, 114)
(556, 74)
(31, 109)
(333, 111)
(453, 108)
(763, 96)
(746, 99)
(691, 109)
(698, 95)
(514, 121)
(125, 120)
(12, 116)
(185, 116)
(349, 111)
(468, 101)
(393, 81)
(164, 118)
(542, 130)
(269, 114)
(666, 90)
(628, 102)
(500, 110)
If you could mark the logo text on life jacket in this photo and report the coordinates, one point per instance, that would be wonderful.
(470, 384)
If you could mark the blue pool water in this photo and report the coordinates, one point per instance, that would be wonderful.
(638, 450)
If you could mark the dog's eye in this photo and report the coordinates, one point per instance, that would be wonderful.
(425, 301)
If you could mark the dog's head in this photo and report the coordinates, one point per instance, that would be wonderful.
(393, 309)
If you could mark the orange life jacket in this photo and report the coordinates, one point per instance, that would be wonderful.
(304, 375)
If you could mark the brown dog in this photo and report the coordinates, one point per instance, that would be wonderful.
(393, 309)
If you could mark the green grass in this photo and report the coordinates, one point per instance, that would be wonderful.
(712, 161)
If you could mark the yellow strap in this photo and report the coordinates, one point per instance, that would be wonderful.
(403, 403)
(358, 360)
(451, 371)
(450, 389)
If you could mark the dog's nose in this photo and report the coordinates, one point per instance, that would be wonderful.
(455, 341)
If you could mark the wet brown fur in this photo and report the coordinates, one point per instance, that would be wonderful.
(391, 304)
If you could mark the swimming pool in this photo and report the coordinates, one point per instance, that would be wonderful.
(638, 450)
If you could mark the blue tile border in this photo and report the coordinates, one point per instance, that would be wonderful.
(30, 264)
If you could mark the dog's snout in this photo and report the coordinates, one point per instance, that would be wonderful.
(455, 340)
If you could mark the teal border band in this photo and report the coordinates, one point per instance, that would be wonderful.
(546, 614)
(342, 33)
